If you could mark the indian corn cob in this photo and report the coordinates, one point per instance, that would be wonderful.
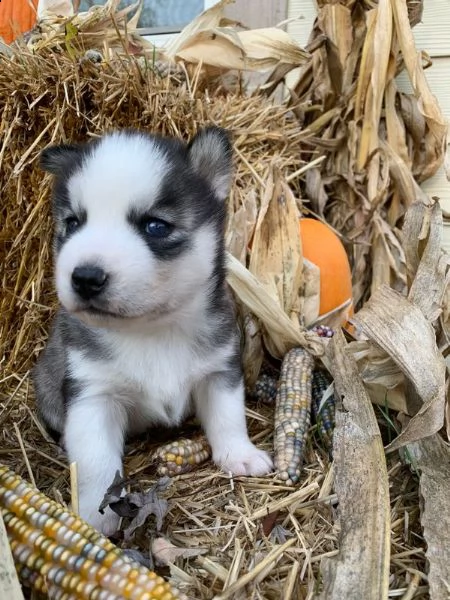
(57, 553)
(265, 389)
(324, 416)
(292, 413)
(323, 331)
(181, 456)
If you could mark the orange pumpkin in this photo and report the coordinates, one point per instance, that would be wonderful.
(323, 248)
(16, 17)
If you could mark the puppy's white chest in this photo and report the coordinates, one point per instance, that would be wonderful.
(152, 378)
(161, 374)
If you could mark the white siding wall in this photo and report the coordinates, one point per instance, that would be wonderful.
(433, 36)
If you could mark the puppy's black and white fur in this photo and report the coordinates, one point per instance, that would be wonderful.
(146, 331)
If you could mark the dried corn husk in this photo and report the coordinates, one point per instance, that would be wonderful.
(54, 8)
(211, 41)
(105, 28)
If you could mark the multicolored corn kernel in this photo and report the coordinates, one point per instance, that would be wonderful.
(323, 331)
(324, 415)
(265, 389)
(292, 413)
(58, 554)
(181, 456)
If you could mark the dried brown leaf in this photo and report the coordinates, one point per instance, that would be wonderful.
(395, 128)
(114, 493)
(315, 190)
(336, 23)
(372, 76)
(144, 504)
(137, 506)
(415, 11)
(381, 268)
(241, 226)
(378, 368)
(208, 19)
(391, 398)
(403, 177)
(252, 347)
(413, 119)
(206, 41)
(388, 259)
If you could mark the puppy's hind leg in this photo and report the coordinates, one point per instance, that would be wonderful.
(94, 439)
(220, 406)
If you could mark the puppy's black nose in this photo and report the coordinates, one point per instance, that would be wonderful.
(88, 281)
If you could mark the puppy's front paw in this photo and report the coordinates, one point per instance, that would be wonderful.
(244, 459)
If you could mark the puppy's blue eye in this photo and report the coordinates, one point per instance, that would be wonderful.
(157, 228)
(72, 224)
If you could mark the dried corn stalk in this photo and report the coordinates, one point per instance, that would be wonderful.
(9, 583)
(361, 569)
(379, 142)
(432, 457)
(406, 331)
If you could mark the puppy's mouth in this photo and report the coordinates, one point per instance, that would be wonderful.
(100, 312)
(96, 311)
(104, 313)
(92, 310)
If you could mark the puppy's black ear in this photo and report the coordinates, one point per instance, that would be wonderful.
(59, 159)
(210, 153)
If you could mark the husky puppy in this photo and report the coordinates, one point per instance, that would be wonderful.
(146, 330)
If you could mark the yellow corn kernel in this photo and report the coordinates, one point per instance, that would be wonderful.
(181, 456)
(58, 554)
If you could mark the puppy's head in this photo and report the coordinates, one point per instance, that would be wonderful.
(138, 222)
